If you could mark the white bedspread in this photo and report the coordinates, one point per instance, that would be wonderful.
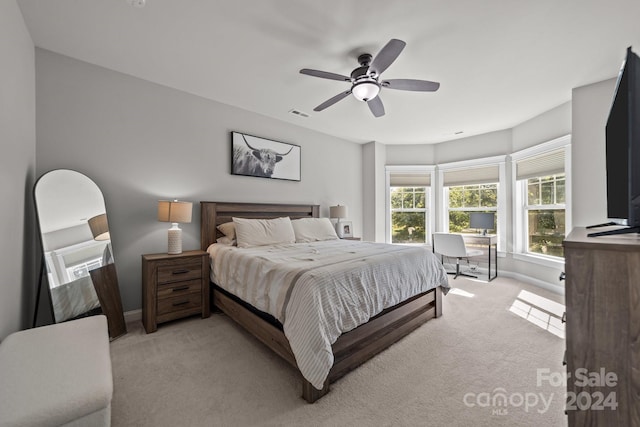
(320, 290)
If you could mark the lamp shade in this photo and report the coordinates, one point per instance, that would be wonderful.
(337, 211)
(99, 227)
(174, 211)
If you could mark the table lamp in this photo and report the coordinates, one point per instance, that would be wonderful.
(337, 212)
(99, 227)
(174, 212)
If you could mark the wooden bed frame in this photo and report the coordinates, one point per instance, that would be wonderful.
(352, 348)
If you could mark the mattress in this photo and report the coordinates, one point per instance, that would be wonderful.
(321, 290)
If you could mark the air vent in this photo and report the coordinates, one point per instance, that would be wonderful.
(136, 3)
(298, 113)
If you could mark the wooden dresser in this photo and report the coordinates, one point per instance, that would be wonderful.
(174, 286)
(603, 329)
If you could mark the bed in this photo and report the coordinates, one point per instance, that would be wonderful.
(351, 348)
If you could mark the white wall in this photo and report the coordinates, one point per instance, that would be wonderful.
(17, 168)
(141, 142)
(591, 106)
(373, 195)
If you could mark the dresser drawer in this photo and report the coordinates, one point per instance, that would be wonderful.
(180, 272)
(179, 306)
(174, 289)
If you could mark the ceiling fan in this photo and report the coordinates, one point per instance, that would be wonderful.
(365, 80)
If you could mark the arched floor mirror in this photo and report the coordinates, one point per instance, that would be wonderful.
(78, 266)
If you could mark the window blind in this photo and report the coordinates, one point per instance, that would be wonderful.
(410, 179)
(468, 176)
(549, 163)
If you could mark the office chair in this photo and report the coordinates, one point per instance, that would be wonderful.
(452, 245)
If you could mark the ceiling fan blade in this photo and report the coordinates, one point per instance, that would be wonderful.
(376, 106)
(325, 75)
(412, 85)
(386, 56)
(331, 101)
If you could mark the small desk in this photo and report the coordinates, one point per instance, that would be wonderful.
(489, 244)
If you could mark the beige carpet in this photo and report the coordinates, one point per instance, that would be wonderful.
(209, 372)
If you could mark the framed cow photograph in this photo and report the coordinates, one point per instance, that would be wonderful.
(264, 158)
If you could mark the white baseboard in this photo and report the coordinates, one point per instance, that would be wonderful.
(532, 281)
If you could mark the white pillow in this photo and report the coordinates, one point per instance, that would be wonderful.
(313, 230)
(228, 229)
(224, 240)
(259, 232)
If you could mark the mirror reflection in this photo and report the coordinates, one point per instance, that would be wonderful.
(75, 241)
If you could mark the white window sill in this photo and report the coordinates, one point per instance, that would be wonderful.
(540, 260)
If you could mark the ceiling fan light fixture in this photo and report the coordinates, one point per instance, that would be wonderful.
(365, 90)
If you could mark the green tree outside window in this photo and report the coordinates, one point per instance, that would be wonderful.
(408, 215)
(546, 215)
(465, 199)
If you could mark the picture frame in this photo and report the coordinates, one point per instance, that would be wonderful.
(345, 229)
(264, 158)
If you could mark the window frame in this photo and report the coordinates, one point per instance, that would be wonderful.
(429, 205)
(443, 193)
(425, 211)
(470, 209)
(521, 206)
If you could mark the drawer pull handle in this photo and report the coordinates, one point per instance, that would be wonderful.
(564, 317)
(181, 288)
(183, 271)
(176, 304)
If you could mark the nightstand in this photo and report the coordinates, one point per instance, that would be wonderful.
(173, 287)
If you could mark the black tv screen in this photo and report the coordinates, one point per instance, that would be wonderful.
(623, 146)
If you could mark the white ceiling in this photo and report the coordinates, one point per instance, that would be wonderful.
(499, 62)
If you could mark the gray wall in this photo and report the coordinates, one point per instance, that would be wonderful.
(17, 168)
(547, 126)
(373, 194)
(474, 147)
(410, 154)
(141, 142)
(591, 106)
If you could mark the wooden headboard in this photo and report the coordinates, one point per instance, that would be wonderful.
(213, 214)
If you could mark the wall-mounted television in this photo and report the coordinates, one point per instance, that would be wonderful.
(623, 151)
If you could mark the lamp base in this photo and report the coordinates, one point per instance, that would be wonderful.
(175, 240)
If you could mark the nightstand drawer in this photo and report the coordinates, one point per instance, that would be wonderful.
(174, 289)
(180, 272)
(174, 286)
(179, 306)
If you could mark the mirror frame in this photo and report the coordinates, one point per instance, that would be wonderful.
(104, 278)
